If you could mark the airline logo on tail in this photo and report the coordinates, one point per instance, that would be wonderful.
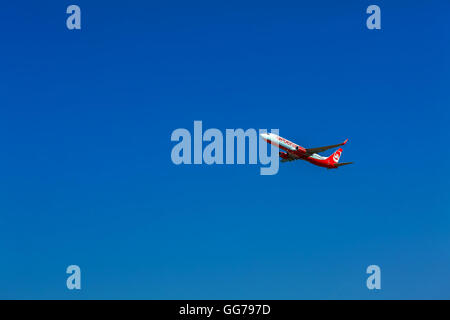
(337, 155)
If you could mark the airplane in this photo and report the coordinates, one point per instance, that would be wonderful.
(296, 152)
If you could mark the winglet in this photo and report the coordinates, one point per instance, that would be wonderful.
(345, 142)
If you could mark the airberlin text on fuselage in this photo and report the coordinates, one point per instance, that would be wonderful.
(214, 151)
(287, 142)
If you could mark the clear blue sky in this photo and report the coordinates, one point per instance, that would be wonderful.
(86, 178)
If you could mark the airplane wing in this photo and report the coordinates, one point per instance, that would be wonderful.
(322, 149)
(290, 157)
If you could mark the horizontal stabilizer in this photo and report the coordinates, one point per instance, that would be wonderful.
(342, 164)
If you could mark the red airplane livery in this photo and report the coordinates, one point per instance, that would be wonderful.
(296, 152)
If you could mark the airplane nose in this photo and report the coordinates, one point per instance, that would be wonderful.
(264, 136)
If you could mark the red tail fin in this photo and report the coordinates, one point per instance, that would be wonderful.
(334, 158)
